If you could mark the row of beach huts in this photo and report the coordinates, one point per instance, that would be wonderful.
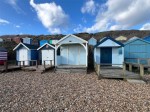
(72, 52)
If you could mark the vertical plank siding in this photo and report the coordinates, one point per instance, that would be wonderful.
(137, 48)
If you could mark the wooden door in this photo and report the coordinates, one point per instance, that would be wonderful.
(106, 55)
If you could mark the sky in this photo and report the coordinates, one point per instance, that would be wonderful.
(38, 17)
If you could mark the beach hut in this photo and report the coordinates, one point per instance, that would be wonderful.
(133, 38)
(47, 53)
(137, 49)
(73, 52)
(53, 41)
(92, 41)
(147, 38)
(109, 51)
(3, 55)
(42, 42)
(27, 40)
(26, 53)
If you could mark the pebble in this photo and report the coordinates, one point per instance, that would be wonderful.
(30, 91)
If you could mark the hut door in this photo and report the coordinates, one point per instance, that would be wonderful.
(23, 56)
(64, 54)
(47, 55)
(73, 55)
(106, 55)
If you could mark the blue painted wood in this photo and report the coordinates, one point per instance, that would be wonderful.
(82, 53)
(34, 54)
(29, 54)
(106, 55)
(73, 55)
(42, 42)
(17, 55)
(92, 41)
(71, 39)
(64, 54)
(137, 49)
(147, 38)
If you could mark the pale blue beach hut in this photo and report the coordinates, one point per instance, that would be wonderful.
(71, 51)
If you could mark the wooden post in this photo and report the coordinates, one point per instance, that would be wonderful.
(19, 62)
(31, 63)
(148, 62)
(124, 69)
(98, 72)
(36, 63)
(138, 61)
(130, 67)
(141, 70)
(51, 62)
(16, 63)
(6, 66)
(44, 64)
(95, 66)
(23, 63)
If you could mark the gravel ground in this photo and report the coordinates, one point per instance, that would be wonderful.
(30, 91)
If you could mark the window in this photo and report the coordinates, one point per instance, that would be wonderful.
(58, 52)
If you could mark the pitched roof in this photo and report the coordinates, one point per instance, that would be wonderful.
(72, 36)
(108, 38)
(135, 40)
(51, 45)
(31, 46)
(92, 38)
(28, 46)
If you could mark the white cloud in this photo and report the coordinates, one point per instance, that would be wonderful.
(51, 15)
(13, 3)
(3, 21)
(78, 29)
(17, 26)
(121, 14)
(89, 7)
(145, 27)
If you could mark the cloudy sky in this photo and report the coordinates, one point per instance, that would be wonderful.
(72, 16)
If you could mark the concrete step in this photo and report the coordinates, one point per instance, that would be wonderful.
(136, 81)
(58, 70)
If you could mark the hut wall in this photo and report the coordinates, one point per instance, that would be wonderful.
(92, 41)
(27, 40)
(42, 42)
(137, 49)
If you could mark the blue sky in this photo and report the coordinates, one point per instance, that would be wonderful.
(72, 16)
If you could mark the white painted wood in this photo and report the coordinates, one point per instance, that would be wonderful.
(23, 56)
(48, 55)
